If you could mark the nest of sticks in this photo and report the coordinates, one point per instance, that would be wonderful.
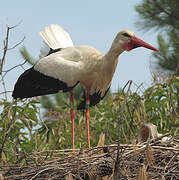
(156, 158)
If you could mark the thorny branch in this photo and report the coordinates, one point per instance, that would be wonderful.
(118, 158)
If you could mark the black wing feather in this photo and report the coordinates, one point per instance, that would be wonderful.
(94, 99)
(33, 83)
(51, 51)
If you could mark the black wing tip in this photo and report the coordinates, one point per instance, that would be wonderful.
(15, 93)
(14, 96)
(32, 83)
(94, 99)
(20, 96)
(81, 106)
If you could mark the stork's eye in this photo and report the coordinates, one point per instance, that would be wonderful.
(126, 35)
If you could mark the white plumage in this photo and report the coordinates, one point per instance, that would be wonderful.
(69, 70)
(72, 64)
(56, 37)
(82, 64)
(65, 65)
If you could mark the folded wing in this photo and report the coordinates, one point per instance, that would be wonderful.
(53, 72)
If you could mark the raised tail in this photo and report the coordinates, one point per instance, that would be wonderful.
(56, 37)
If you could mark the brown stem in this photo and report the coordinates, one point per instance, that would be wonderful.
(119, 155)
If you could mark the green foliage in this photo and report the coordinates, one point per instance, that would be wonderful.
(23, 130)
(158, 14)
(17, 122)
(161, 106)
(162, 15)
(168, 58)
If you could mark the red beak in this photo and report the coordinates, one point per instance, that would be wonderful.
(136, 42)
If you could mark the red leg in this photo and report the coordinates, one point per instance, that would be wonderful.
(87, 117)
(72, 114)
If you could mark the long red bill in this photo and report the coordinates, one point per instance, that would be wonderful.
(136, 42)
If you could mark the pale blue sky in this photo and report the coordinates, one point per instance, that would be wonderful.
(89, 22)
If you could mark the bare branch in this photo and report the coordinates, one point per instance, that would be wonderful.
(6, 71)
(4, 86)
(6, 42)
(5, 50)
(17, 44)
(5, 92)
(12, 27)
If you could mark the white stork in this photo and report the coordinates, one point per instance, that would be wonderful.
(66, 65)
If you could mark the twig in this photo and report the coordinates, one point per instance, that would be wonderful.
(117, 162)
(4, 86)
(12, 27)
(93, 166)
(166, 148)
(6, 71)
(41, 172)
(5, 92)
(17, 44)
(138, 87)
(2, 60)
(6, 42)
(5, 50)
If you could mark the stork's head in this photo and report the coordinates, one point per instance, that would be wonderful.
(128, 41)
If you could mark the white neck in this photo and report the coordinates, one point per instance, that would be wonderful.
(110, 60)
(112, 55)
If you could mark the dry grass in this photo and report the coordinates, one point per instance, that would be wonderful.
(155, 159)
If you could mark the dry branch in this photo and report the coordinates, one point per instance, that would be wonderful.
(119, 152)
(152, 159)
(3, 59)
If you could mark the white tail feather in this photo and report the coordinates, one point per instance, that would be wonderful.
(44, 51)
(56, 37)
